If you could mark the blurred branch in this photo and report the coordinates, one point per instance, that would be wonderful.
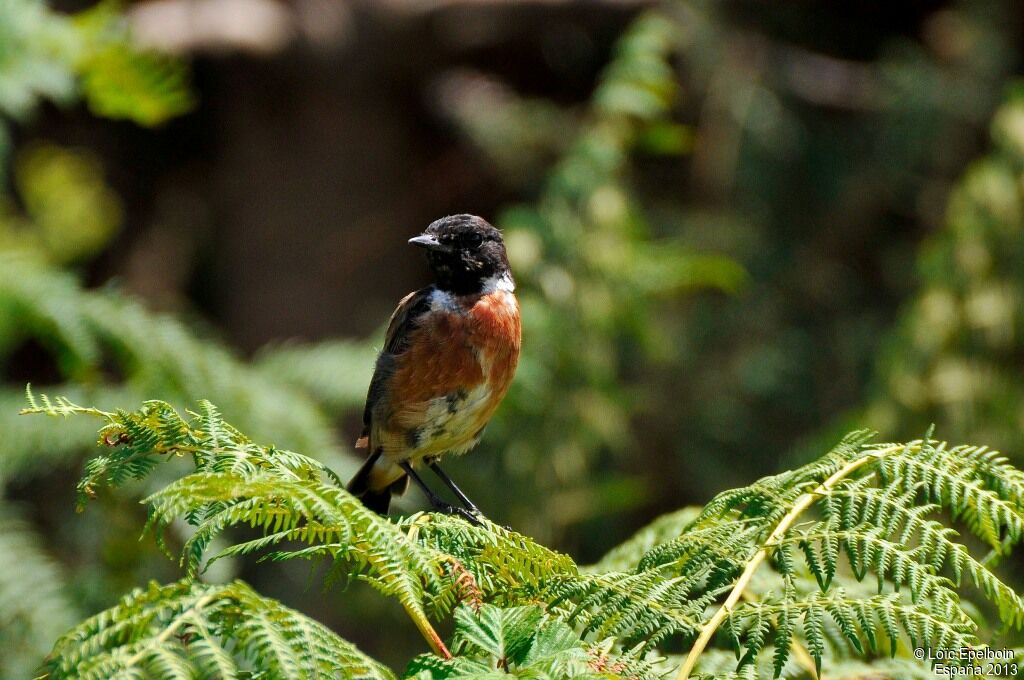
(270, 26)
(824, 80)
(519, 136)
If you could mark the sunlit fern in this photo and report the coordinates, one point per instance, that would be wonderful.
(849, 557)
(189, 629)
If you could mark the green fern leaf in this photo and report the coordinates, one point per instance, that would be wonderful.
(187, 630)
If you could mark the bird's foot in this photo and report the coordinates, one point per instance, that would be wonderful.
(474, 518)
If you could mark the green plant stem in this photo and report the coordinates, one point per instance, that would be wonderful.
(783, 526)
(429, 634)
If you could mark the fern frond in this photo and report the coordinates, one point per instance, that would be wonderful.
(188, 630)
(627, 555)
(92, 332)
(525, 642)
(863, 510)
(33, 600)
(852, 554)
(315, 369)
(287, 495)
(31, 445)
(870, 509)
(717, 664)
(507, 567)
(369, 545)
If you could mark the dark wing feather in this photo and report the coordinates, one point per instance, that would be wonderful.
(396, 341)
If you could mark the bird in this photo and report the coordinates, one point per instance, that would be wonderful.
(450, 353)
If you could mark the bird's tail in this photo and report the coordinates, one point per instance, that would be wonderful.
(366, 486)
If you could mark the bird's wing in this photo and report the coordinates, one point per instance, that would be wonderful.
(396, 341)
(409, 309)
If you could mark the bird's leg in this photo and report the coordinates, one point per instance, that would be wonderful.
(435, 500)
(468, 504)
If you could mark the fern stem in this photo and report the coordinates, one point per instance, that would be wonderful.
(421, 621)
(428, 632)
(802, 503)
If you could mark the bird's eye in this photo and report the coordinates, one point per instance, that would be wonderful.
(473, 239)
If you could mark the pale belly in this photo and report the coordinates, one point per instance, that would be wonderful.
(453, 423)
(450, 424)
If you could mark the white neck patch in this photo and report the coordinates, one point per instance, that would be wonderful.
(496, 283)
(443, 300)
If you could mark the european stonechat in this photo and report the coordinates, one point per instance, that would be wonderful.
(449, 355)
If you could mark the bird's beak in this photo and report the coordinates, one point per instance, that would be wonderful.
(427, 241)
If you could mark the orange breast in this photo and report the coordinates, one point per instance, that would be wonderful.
(456, 350)
(495, 330)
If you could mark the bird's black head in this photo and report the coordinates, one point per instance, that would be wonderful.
(465, 253)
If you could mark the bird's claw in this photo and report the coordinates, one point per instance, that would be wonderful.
(471, 517)
(475, 518)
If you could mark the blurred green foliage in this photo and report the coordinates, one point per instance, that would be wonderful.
(956, 355)
(34, 603)
(121, 82)
(818, 173)
(37, 48)
(591, 275)
(808, 176)
(45, 55)
(57, 209)
(105, 342)
(69, 212)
